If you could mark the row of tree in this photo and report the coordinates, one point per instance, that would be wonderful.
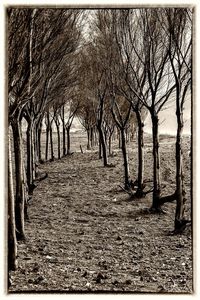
(139, 61)
(130, 62)
(42, 72)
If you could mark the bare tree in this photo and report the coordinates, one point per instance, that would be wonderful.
(144, 56)
(121, 116)
(178, 27)
(127, 73)
(19, 53)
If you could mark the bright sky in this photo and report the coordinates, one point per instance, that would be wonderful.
(168, 120)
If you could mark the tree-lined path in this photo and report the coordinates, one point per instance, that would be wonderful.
(114, 210)
(86, 234)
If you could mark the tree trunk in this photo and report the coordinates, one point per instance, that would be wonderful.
(180, 191)
(38, 138)
(103, 144)
(68, 140)
(19, 176)
(47, 138)
(30, 155)
(51, 141)
(95, 137)
(110, 144)
(156, 164)
(12, 241)
(58, 135)
(88, 139)
(39, 143)
(63, 130)
(139, 192)
(125, 157)
(92, 137)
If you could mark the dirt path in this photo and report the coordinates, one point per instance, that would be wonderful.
(85, 235)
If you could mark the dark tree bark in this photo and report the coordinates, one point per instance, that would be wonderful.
(47, 137)
(110, 141)
(38, 137)
(30, 143)
(103, 145)
(180, 191)
(125, 158)
(51, 141)
(58, 136)
(39, 144)
(140, 183)
(95, 137)
(63, 131)
(156, 164)
(88, 139)
(19, 175)
(102, 142)
(12, 241)
(92, 137)
(68, 140)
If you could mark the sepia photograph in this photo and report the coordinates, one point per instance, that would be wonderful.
(100, 149)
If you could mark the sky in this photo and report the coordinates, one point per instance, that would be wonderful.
(168, 123)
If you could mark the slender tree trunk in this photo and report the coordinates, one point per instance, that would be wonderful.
(156, 164)
(51, 141)
(35, 139)
(103, 145)
(38, 129)
(31, 168)
(105, 136)
(88, 139)
(39, 142)
(63, 131)
(12, 241)
(125, 158)
(180, 191)
(19, 175)
(139, 192)
(35, 152)
(58, 136)
(95, 137)
(68, 140)
(47, 138)
(92, 137)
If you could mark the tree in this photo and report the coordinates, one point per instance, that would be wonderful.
(178, 27)
(127, 74)
(38, 40)
(144, 56)
(95, 71)
(121, 117)
(19, 53)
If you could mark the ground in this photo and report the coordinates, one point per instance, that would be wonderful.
(86, 234)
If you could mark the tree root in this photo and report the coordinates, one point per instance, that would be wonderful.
(180, 226)
(110, 166)
(166, 199)
(31, 188)
(42, 177)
